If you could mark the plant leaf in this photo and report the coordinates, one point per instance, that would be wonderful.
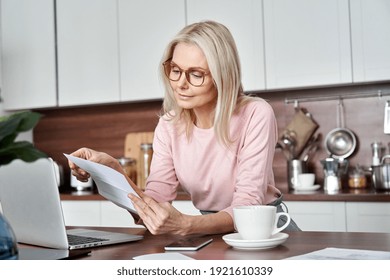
(28, 121)
(22, 150)
(8, 127)
(8, 140)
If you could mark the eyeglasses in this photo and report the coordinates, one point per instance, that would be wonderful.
(195, 76)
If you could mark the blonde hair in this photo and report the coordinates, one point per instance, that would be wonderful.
(220, 50)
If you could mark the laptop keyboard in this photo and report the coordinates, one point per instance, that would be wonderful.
(76, 239)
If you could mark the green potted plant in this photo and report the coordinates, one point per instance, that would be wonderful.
(10, 127)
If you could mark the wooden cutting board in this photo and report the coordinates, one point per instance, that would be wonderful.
(303, 127)
(133, 143)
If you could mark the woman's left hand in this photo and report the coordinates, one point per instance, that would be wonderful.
(159, 218)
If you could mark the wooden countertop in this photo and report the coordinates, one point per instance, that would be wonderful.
(297, 243)
(357, 195)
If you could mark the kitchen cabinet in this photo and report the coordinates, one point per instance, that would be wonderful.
(113, 216)
(107, 51)
(341, 215)
(244, 20)
(145, 29)
(106, 213)
(318, 215)
(368, 216)
(28, 54)
(81, 213)
(370, 30)
(87, 46)
(95, 213)
(307, 43)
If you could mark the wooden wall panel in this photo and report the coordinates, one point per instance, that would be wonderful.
(103, 128)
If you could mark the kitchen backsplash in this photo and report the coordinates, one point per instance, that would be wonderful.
(104, 127)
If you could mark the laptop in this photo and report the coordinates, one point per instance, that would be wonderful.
(39, 253)
(30, 201)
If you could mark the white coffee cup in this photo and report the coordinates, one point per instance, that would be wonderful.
(257, 222)
(306, 180)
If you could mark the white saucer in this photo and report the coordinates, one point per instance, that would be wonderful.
(235, 240)
(311, 188)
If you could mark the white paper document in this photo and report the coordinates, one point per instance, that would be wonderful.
(343, 254)
(110, 183)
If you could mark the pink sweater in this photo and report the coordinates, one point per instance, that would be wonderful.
(217, 179)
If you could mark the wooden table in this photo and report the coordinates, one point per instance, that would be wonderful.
(297, 243)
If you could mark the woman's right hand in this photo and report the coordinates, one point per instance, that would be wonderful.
(94, 156)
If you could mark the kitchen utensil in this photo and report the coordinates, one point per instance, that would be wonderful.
(381, 175)
(340, 142)
(303, 126)
(311, 147)
(312, 150)
(280, 145)
(289, 140)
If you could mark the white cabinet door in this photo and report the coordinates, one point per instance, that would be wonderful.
(88, 60)
(107, 214)
(307, 43)
(28, 54)
(318, 215)
(370, 26)
(186, 207)
(368, 216)
(244, 20)
(81, 213)
(145, 28)
(115, 216)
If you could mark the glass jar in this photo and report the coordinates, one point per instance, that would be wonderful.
(129, 165)
(357, 179)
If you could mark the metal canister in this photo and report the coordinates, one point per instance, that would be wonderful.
(294, 168)
(381, 175)
(145, 161)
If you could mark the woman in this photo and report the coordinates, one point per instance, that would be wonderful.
(212, 140)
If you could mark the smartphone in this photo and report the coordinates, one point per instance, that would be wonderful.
(189, 244)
